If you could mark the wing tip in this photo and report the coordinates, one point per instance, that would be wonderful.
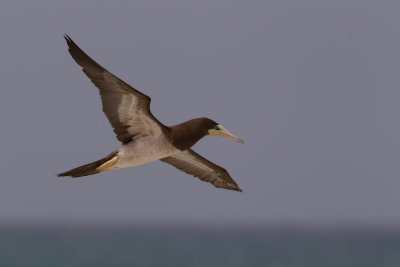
(228, 186)
(236, 188)
(69, 41)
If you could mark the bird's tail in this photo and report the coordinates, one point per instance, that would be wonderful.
(92, 168)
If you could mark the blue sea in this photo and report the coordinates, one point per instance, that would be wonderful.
(197, 246)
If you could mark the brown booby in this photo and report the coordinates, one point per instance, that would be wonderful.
(144, 138)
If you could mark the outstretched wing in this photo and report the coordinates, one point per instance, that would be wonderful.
(198, 166)
(127, 109)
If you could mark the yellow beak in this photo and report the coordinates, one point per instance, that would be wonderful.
(222, 132)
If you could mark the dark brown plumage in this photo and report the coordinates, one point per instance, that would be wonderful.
(192, 163)
(185, 135)
(128, 111)
(88, 169)
(112, 91)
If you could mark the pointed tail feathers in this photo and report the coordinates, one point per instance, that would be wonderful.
(92, 168)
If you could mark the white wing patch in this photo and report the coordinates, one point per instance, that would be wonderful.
(130, 113)
(184, 156)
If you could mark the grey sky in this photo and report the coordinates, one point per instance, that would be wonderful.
(311, 86)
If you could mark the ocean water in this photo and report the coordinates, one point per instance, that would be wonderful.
(196, 246)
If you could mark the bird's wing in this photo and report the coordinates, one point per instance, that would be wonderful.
(127, 109)
(198, 166)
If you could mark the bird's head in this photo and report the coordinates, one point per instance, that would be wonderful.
(216, 129)
(186, 134)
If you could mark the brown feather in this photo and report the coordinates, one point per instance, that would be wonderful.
(88, 169)
(192, 163)
(127, 109)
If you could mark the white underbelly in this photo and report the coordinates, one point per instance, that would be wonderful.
(144, 150)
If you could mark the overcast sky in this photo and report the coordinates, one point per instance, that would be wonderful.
(313, 87)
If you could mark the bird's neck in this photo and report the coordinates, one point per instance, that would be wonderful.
(185, 135)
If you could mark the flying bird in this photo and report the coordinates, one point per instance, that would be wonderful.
(144, 138)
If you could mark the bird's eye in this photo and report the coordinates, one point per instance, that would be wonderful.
(217, 128)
